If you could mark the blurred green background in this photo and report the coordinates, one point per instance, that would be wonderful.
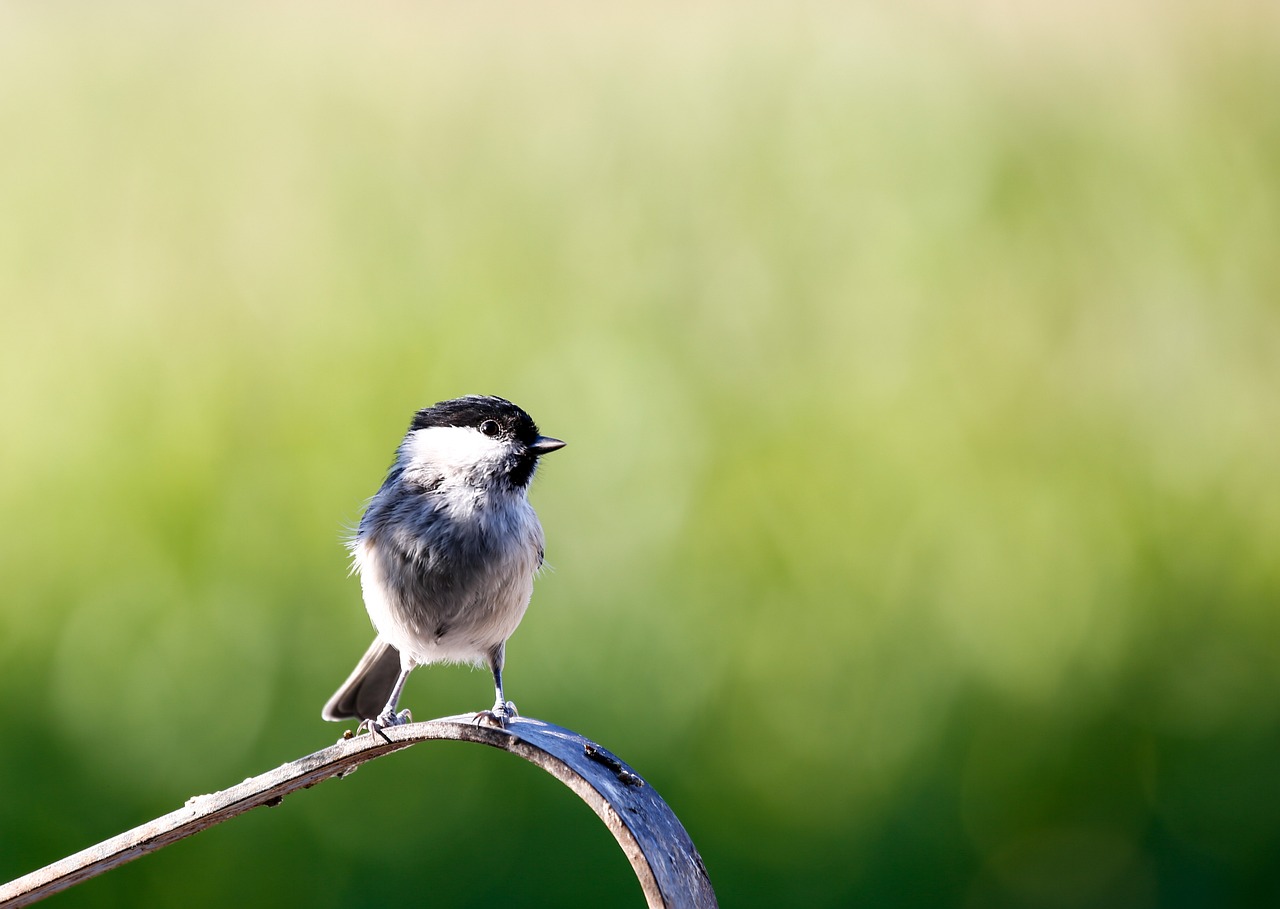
(920, 364)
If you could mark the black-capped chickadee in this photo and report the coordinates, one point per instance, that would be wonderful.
(446, 552)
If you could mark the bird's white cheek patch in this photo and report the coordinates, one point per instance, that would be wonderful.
(453, 449)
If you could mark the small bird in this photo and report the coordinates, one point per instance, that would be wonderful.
(446, 551)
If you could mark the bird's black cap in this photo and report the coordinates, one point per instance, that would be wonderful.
(475, 410)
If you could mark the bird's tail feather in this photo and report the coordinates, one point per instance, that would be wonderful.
(365, 692)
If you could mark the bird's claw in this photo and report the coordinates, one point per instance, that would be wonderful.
(499, 715)
(384, 720)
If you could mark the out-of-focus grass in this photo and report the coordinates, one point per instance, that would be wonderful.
(917, 535)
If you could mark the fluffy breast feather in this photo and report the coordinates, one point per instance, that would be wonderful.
(449, 579)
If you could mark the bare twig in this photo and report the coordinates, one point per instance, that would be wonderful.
(663, 857)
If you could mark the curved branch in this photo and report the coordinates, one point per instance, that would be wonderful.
(663, 857)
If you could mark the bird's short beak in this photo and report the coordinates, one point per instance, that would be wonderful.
(545, 445)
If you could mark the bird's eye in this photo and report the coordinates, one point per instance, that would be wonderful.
(490, 428)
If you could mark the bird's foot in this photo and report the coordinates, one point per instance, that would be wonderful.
(385, 719)
(499, 715)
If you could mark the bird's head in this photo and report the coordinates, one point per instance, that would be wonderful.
(478, 440)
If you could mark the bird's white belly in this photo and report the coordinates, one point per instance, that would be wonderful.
(467, 627)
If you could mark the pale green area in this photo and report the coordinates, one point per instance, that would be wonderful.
(918, 533)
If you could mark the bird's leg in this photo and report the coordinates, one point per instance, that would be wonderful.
(389, 717)
(501, 706)
(503, 710)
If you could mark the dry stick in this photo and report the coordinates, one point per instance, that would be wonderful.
(663, 857)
